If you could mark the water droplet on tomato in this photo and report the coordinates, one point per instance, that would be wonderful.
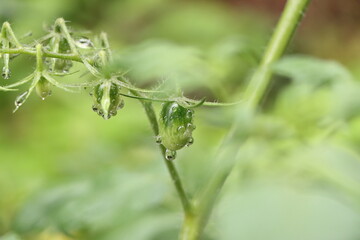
(170, 154)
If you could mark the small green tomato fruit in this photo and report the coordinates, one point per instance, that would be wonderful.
(43, 88)
(175, 127)
(107, 100)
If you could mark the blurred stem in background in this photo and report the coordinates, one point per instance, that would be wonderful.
(286, 27)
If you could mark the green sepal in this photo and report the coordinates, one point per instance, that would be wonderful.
(107, 100)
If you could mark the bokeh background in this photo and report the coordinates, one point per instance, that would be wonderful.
(65, 173)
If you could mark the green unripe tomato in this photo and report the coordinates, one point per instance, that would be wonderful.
(107, 100)
(43, 88)
(175, 126)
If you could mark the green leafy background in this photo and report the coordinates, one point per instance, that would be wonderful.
(65, 173)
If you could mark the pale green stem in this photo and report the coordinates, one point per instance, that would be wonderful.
(186, 204)
(291, 17)
(6, 57)
(32, 52)
(289, 20)
(55, 43)
(10, 33)
(61, 23)
(105, 44)
(39, 58)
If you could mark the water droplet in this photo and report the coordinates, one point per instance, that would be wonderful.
(189, 114)
(19, 100)
(158, 139)
(170, 154)
(106, 117)
(190, 126)
(94, 108)
(43, 88)
(6, 73)
(84, 43)
(67, 66)
(121, 105)
(112, 113)
(190, 142)
(181, 129)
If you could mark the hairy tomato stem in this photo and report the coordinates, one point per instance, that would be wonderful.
(285, 29)
(32, 52)
(185, 202)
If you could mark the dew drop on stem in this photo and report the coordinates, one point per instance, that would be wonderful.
(6, 73)
(190, 126)
(158, 139)
(190, 142)
(121, 104)
(84, 43)
(95, 108)
(189, 114)
(170, 154)
(181, 129)
(19, 100)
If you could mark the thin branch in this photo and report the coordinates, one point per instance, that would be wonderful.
(32, 52)
(186, 204)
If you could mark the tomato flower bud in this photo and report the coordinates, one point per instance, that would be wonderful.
(107, 99)
(43, 88)
(175, 128)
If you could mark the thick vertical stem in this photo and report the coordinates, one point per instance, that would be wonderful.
(191, 228)
(285, 29)
(289, 20)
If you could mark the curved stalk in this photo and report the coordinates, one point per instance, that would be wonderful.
(185, 202)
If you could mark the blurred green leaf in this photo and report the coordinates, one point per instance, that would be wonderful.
(312, 71)
(10, 236)
(93, 205)
(170, 64)
(269, 209)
